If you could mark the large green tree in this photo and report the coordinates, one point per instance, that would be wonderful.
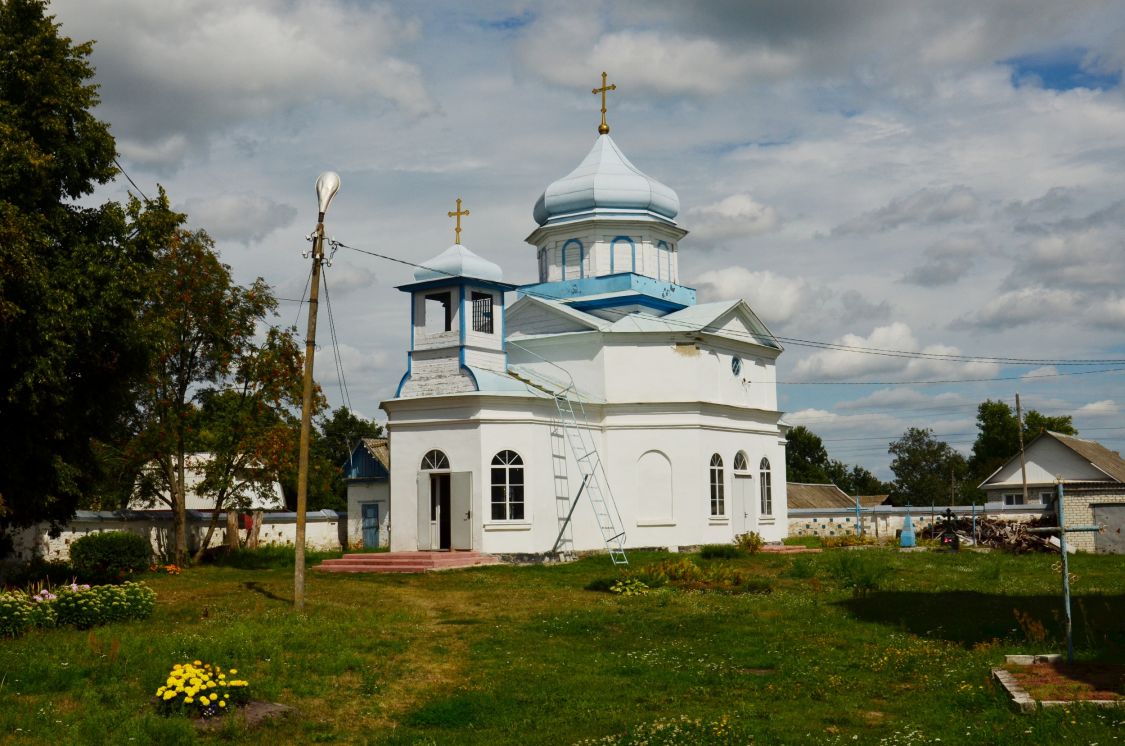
(998, 435)
(924, 468)
(71, 276)
(806, 459)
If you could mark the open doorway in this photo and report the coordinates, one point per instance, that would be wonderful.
(440, 514)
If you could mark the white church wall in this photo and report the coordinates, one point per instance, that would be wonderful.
(662, 370)
(580, 355)
(414, 433)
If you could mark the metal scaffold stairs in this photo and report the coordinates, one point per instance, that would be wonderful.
(594, 482)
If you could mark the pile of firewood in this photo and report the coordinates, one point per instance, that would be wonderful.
(1011, 536)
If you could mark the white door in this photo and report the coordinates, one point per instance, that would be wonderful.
(742, 520)
(424, 510)
(461, 509)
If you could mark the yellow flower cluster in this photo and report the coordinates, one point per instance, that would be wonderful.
(202, 686)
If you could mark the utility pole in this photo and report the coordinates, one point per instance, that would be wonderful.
(326, 187)
(1023, 464)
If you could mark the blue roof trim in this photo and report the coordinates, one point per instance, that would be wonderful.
(405, 376)
(441, 282)
(627, 300)
(622, 282)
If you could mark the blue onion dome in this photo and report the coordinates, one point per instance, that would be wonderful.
(457, 261)
(606, 182)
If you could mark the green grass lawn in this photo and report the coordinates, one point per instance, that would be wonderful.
(524, 655)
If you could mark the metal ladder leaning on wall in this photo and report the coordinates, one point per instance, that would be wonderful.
(594, 481)
(585, 451)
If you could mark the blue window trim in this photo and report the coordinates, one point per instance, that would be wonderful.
(613, 251)
(581, 257)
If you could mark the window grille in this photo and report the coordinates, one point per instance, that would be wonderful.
(766, 488)
(482, 313)
(717, 499)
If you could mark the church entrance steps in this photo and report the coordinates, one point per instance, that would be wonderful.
(406, 562)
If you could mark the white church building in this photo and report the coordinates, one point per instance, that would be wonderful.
(603, 393)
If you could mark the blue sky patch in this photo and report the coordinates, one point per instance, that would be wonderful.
(510, 23)
(1060, 70)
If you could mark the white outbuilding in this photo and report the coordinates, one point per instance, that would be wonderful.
(603, 394)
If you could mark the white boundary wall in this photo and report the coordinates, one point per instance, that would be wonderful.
(325, 529)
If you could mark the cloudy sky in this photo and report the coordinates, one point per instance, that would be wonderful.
(937, 177)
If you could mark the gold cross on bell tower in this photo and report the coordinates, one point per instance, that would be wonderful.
(458, 213)
(603, 128)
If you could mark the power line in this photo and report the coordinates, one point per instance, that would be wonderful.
(130, 178)
(949, 380)
(835, 346)
(336, 346)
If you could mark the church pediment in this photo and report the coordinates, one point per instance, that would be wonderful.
(530, 316)
(733, 320)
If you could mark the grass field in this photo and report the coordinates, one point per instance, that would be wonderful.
(523, 655)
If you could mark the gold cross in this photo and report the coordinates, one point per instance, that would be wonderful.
(603, 128)
(458, 213)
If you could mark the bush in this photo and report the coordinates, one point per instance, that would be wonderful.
(601, 584)
(80, 607)
(847, 540)
(719, 551)
(15, 614)
(750, 542)
(269, 557)
(140, 600)
(863, 572)
(37, 571)
(802, 568)
(110, 556)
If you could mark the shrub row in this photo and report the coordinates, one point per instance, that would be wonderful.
(74, 605)
(110, 556)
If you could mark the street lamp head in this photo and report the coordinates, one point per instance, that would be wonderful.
(326, 187)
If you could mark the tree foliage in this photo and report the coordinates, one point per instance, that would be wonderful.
(71, 277)
(924, 467)
(998, 435)
(806, 460)
(333, 438)
(213, 385)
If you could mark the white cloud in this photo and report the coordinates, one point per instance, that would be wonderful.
(1103, 408)
(737, 216)
(774, 298)
(659, 61)
(1043, 371)
(174, 74)
(844, 364)
(347, 278)
(946, 261)
(1019, 307)
(238, 216)
(923, 207)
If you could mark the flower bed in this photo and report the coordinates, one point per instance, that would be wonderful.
(202, 690)
(75, 605)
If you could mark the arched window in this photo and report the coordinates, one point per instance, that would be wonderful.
(434, 460)
(507, 487)
(766, 489)
(717, 502)
(740, 462)
(572, 255)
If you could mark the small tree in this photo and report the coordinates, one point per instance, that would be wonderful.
(923, 467)
(203, 329)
